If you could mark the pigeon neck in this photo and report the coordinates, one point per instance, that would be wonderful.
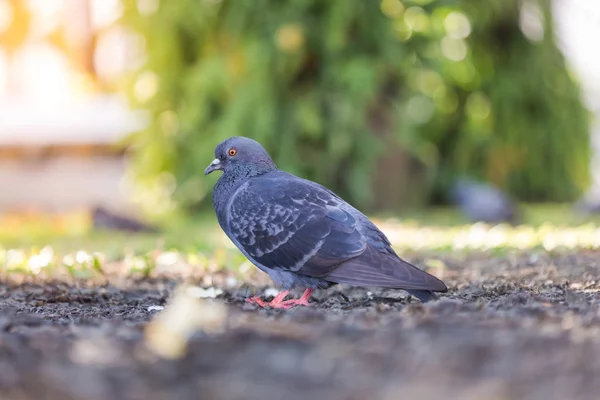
(234, 177)
(243, 171)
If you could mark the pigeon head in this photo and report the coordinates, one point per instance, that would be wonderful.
(241, 156)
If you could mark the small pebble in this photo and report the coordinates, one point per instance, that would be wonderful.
(270, 292)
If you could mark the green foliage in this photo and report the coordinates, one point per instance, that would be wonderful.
(341, 92)
(508, 112)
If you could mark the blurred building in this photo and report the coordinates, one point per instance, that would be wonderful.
(59, 60)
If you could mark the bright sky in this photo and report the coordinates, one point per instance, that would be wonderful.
(578, 29)
(57, 81)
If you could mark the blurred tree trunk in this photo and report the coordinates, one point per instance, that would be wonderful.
(399, 180)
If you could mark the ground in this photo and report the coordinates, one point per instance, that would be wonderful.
(514, 325)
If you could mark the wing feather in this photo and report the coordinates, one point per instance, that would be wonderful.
(376, 269)
(291, 225)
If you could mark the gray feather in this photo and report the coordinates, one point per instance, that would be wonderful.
(301, 233)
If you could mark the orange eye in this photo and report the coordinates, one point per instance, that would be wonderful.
(232, 152)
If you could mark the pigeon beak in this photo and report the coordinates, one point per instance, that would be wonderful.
(214, 165)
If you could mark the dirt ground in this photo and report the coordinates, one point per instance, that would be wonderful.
(513, 326)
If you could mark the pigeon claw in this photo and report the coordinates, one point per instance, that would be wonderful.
(294, 302)
(279, 302)
(256, 300)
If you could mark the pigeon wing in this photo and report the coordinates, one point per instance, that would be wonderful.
(374, 268)
(285, 223)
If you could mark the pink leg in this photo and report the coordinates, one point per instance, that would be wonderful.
(256, 300)
(278, 301)
(302, 301)
(274, 303)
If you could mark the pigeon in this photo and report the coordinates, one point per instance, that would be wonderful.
(588, 204)
(483, 202)
(105, 219)
(302, 234)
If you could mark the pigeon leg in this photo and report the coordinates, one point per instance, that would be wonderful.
(278, 301)
(302, 301)
(275, 303)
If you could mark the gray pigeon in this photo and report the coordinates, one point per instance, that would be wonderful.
(483, 202)
(302, 234)
(588, 204)
(105, 219)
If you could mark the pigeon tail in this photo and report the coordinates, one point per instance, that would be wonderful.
(376, 269)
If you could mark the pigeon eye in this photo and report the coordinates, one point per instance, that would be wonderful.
(232, 152)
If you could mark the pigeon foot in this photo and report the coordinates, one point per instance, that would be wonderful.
(256, 300)
(278, 301)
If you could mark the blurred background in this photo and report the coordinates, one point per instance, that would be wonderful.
(468, 131)
(110, 109)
